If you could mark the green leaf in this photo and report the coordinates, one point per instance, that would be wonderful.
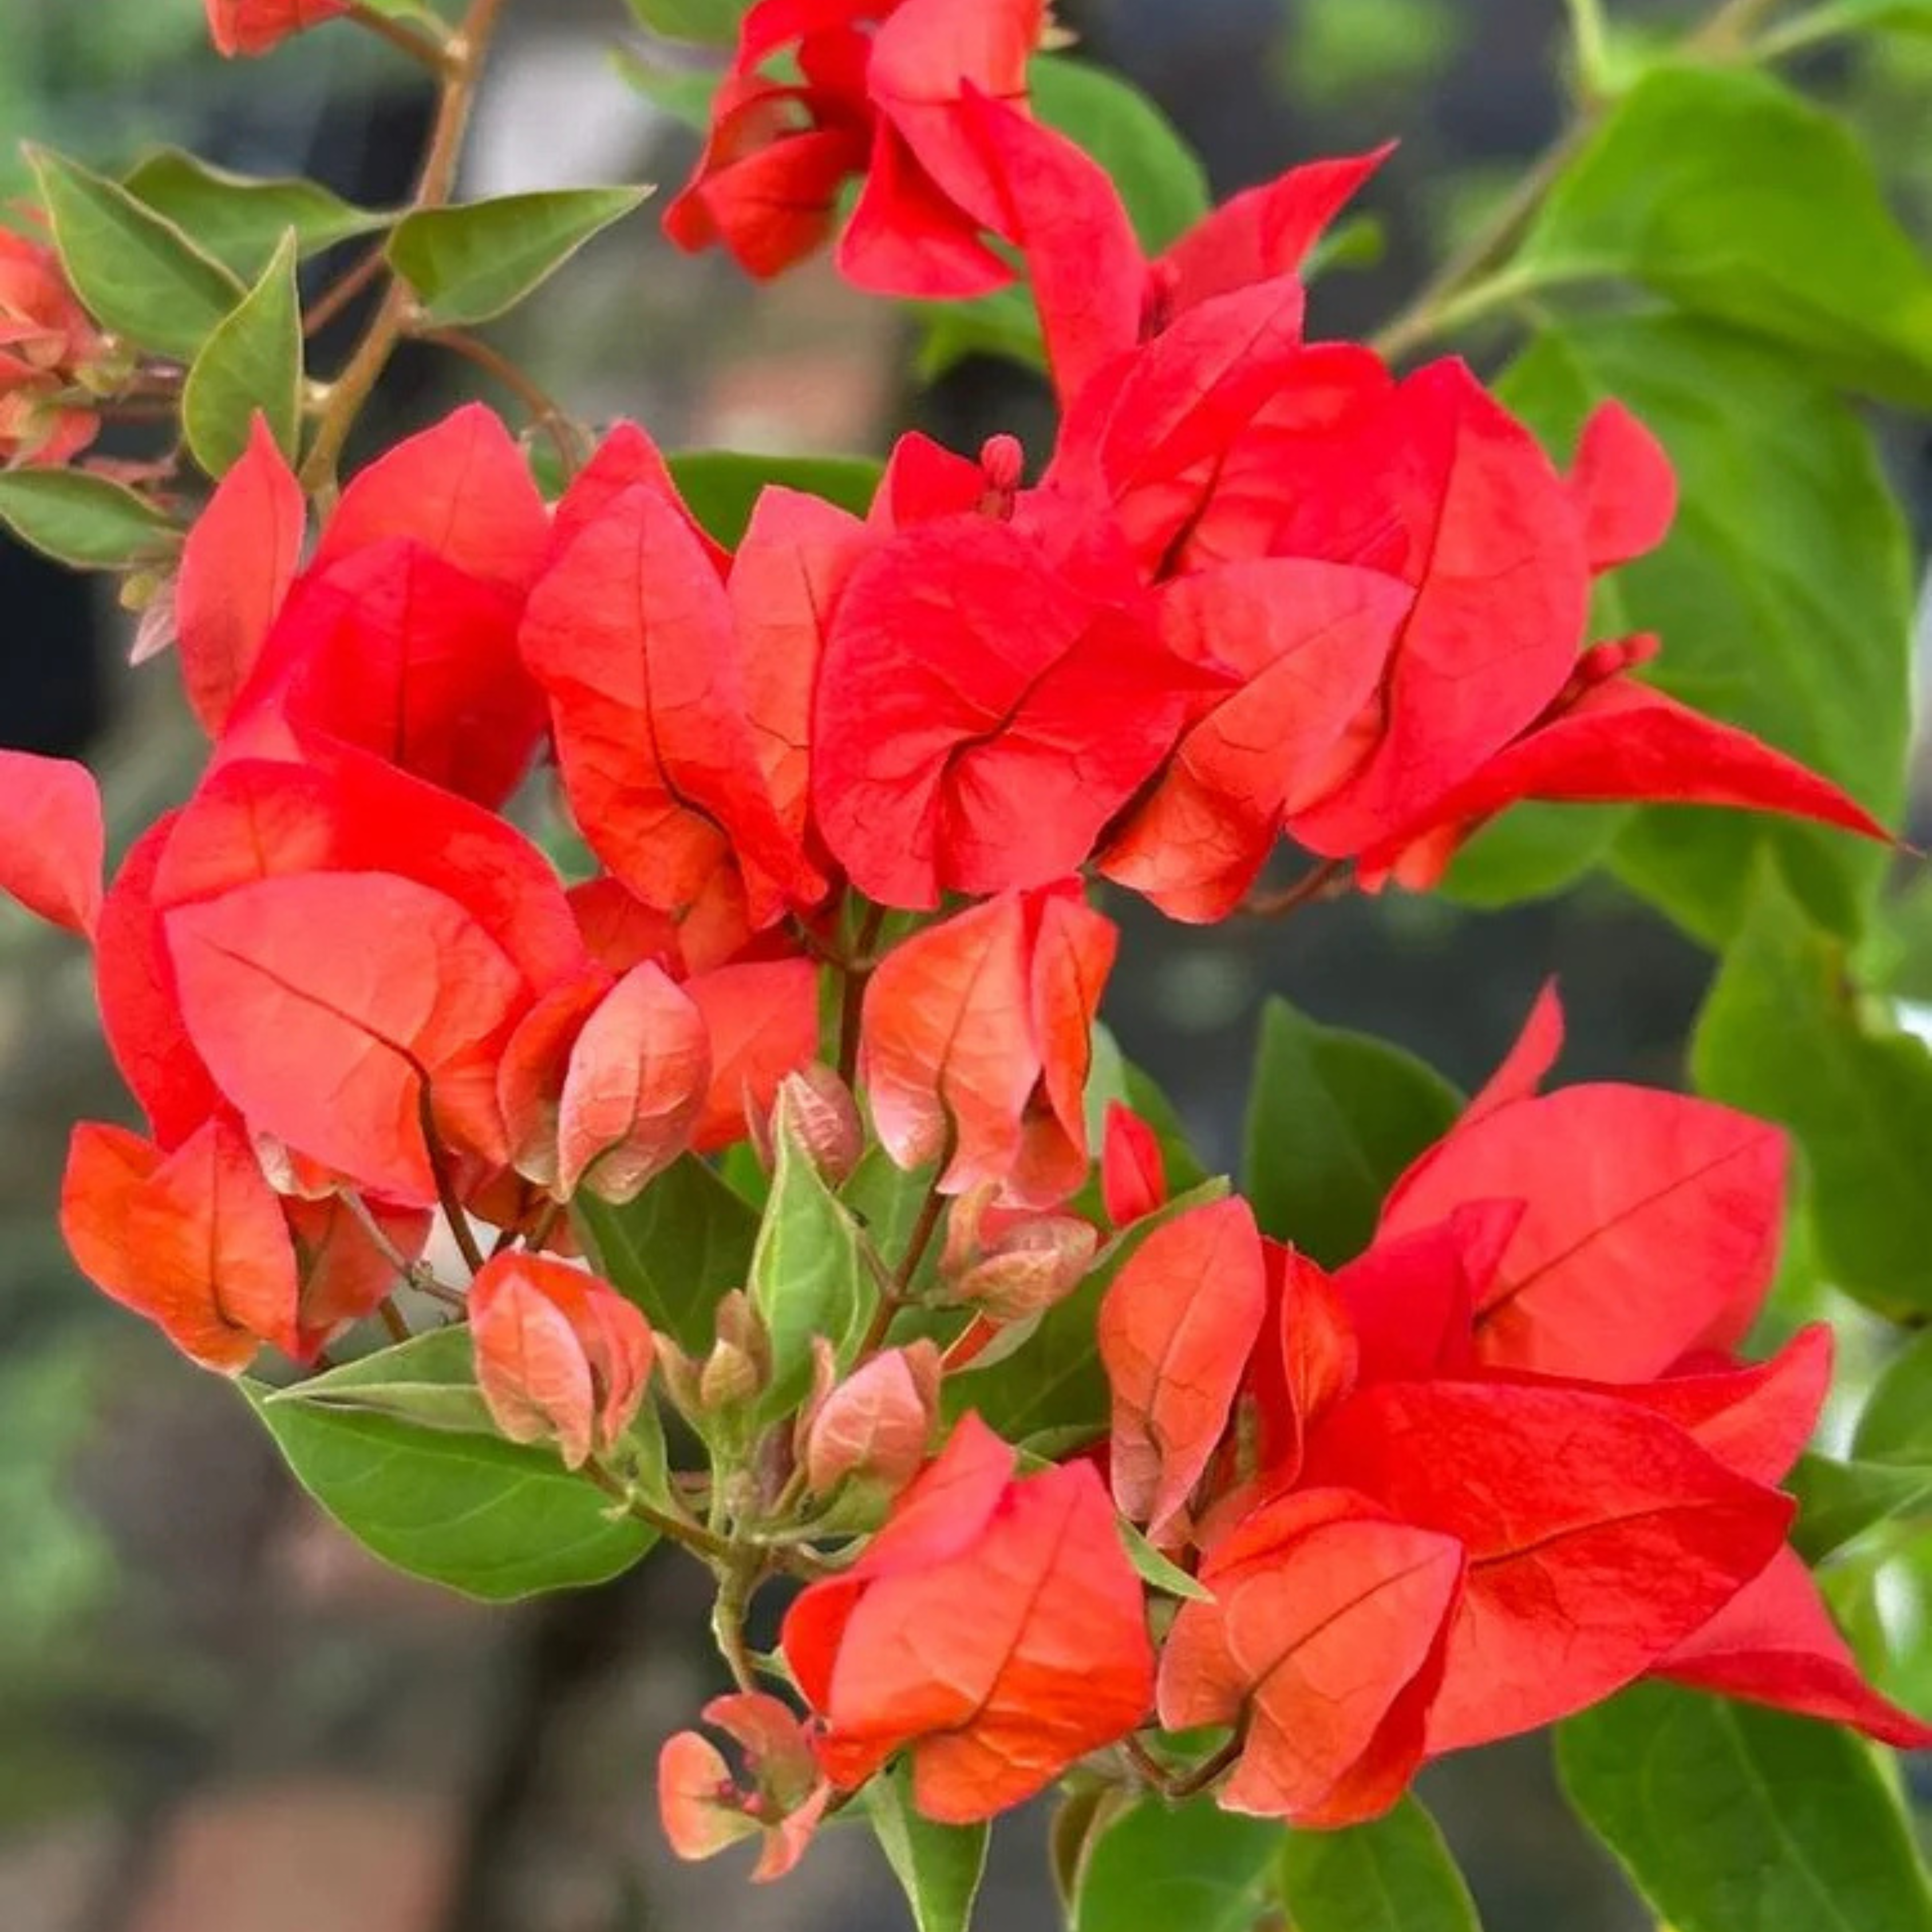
(1728, 1817)
(1156, 1572)
(1783, 596)
(1723, 191)
(470, 264)
(254, 361)
(240, 219)
(1334, 1118)
(1896, 1422)
(721, 486)
(1838, 1501)
(468, 1511)
(429, 1381)
(136, 272)
(684, 93)
(1862, 17)
(715, 21)
(807, 1277)
(886, 1201)
(82, 520)
(1532, 852)
(676, 1250)
(1393, 1875)
(1189, 1867)
(1055, 1383)
(1158, 175)
(1781, 1035)
(939, 1865)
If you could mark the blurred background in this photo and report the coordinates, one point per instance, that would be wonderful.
(215, 1714)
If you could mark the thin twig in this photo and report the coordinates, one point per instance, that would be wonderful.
(401, 35)
(392, 1317)
(1327, 880)
(344, 290)
(464, 58)
(852, 1003)
(460, 1230)
(679, 1529)
(545, 413)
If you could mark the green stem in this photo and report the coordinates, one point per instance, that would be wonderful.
(1591, 33)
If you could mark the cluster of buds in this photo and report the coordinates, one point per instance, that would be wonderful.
(53, 361)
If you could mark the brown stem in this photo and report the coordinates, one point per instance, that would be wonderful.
(401, 35)
(461, 1231)
(1327, 880)
(1176, 1786)
(392, 1317)
(693, 1536)
(544, 413)
(464, 57)
(852, 1003)
(344, 290)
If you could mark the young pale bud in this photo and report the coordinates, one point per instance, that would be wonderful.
(1030, 1268)
(560, 1355)
(817, 1107)
(874, 1429)
(739, 1368)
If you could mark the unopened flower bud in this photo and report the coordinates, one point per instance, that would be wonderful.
(1030, 1267)
(1003, 463)
(739, 1368)
(874, 1429)
(817, 1108)
(560, 1355)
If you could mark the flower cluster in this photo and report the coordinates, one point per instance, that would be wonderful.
(846, 790)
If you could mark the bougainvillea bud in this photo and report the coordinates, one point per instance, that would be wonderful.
(873, 1429)
(817, 1109)
(739, 1368)
(1030, 1265)
(247, 27)
(47, 342)
(560, 1355)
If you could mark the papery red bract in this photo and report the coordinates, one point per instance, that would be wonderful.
(702, 1809)
(1133, 1173)
(53, 839)
(333, 1010)
(1599, 1536)
(993, 1629)
(1328, 1628)
(1617, 741)
(874, 1427)
(560, 1354)
(1175, 1332)
(630, 633)
(47, 341)
(192, 1239)
(634, 1088)
(982, 715)
(1624, 485)
(246, 27)
(1527, 1064)
(1774, 1643)
(1441, 486)
(345, 1274)
(761, 1017)
(461, 490)
(1309, 642)
(1650, 1225)
(976, 1038)
(236, 568)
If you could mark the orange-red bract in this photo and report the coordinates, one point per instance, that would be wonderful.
(236, 568)
(245, 27)
(1328, 1628)
(703, 1811)
(1174, 1333)
(560, 1355)
(1599, 1536)
(52, 839)
(341, 1012)
(993, 1629)
(976, 1038)
(984, 710)
(193, 1240)
(634, 1088)
(1309, 642)
(761, 1017)
(1133, 1172)
(1650, 1225)
(630, 633)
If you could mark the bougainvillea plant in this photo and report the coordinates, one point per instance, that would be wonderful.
(617, 1020)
